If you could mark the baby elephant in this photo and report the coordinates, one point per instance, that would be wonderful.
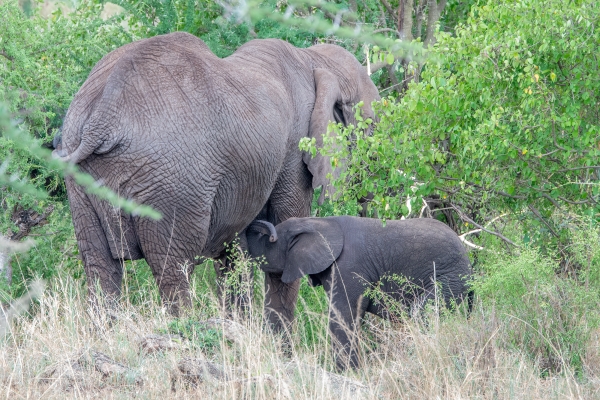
(349, 254)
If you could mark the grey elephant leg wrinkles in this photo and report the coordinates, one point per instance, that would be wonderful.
(170, 260)
(103, 272)
(291, 197)
(346, 310)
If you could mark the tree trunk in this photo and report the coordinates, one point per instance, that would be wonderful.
(406, 20)
(434, 12)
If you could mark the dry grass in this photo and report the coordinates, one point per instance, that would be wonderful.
(58, 350)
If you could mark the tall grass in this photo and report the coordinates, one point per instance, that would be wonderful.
(533, 333)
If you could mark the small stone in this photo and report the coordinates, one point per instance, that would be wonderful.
(339, 385)
(232, 330)
(78, 371)
(196, 370)
(153, 343)
(109, 368)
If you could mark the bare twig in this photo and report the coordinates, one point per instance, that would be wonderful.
(550, 199)
(539, 216)
(464, 217)
(389, 9)
(377, 66)
(387, 30)
(462, 237)
(578, 168)
(473, 245)
(3, 54)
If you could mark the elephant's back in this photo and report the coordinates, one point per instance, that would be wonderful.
(169, 97)
(427, 241)
(413, 247)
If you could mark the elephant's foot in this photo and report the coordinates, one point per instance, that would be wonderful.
(102, 312)
(176, 301)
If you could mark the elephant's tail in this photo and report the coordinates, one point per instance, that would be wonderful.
(85, 148)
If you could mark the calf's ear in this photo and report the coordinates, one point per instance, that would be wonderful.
(313, 248)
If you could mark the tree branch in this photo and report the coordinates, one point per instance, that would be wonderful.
(3, 54)
(434, 11)
(464, 217)
(389, 8)
(377, 66)
(386, 30)
(539, 216)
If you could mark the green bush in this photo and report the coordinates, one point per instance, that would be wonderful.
(505, 118)
(549, 316)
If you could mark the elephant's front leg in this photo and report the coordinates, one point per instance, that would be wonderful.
(280, 302)
(104, 273)
(345, 315)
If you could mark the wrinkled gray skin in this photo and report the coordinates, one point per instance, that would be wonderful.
(209, 143)
(348, 254)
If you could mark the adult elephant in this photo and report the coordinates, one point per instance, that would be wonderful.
(209, 143)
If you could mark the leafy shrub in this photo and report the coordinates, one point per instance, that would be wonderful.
(42, 64)
(505, 118)
(548, 316)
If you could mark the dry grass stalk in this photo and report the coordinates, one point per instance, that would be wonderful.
(448, 358)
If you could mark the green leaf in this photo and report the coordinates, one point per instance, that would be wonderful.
(390, 59)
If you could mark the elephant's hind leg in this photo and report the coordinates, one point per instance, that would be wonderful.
(170, 253)
(104, 273)
(172, 274)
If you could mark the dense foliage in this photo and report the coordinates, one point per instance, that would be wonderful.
(505, 118)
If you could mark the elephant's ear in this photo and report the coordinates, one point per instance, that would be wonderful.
(327, 95)
(313, 248)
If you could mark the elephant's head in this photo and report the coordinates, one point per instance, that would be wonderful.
(296, 247)
(340, 83)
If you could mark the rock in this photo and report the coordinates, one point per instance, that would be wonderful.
(69, 375)
(196, 370)
(232, 330)
(153, 343)
(339, 385)
(110, 368)
(278, 389)
(86, 370)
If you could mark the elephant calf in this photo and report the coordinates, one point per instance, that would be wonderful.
(348, 254)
